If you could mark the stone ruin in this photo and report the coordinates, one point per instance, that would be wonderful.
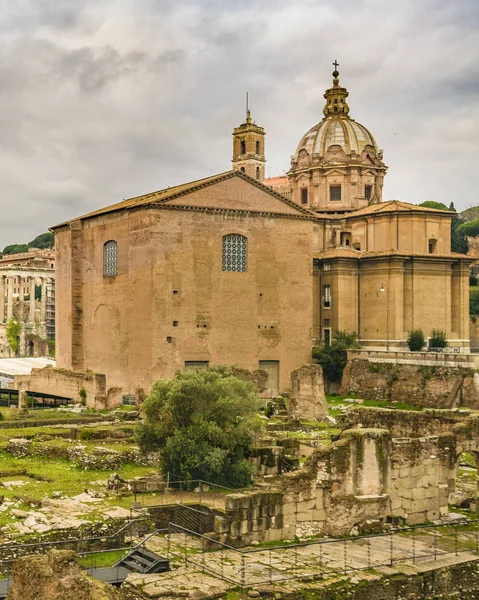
(307, 399)
(57, 576)
(387, 467)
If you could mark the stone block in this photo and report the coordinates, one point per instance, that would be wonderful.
(289, 509)
(319, 515)
(272, 535)
(418, 493)
(288, 532)
(306, 515)
(306, 505)
(245, 527)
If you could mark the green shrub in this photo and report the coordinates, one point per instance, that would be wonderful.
(416, 340)
(13, 334)
(438, 339)
(202, 422)
(82, 394)
(269, 409)
(333, 357)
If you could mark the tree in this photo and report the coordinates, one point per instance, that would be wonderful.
(333, 357)
(13, 333)
(416, 340)
(432, 204)
(44, 240)
(202, 422)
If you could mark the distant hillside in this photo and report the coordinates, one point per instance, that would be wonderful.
(470, 214)
(44, 240)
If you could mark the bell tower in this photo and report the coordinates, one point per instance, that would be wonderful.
(248, 148)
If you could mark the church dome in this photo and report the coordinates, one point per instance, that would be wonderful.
(336, 130)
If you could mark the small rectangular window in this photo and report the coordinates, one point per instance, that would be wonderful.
(304, 195)
(368, 190)
(175, 323)
(326, 322)
(327, 296)
(335, 193)
(128, 400)
(327, 335)
(196, 364)
(169, 340)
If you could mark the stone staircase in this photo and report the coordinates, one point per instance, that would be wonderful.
(141, 560)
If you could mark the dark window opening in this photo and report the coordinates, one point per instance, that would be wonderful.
(368, 190)
(243, 147)
(345, 239)
(196, 364)
(257, 147)
(258, 173)
(327, 336)
(176, 291)
(169, 340)
(335, 193)
(175, 323)
(242, 169)
(304, 195)
(432, 246)
(327, 296)
(326, 322)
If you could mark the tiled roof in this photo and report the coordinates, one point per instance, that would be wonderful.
(391, 206)
(180, 190)
(343, 252)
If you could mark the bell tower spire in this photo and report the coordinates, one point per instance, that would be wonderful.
(248, 147)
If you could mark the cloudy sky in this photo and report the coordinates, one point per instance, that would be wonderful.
(105, 99)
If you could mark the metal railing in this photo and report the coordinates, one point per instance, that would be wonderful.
(320, 558)
(182, 491)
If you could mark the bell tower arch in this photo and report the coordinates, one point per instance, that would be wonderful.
(248, 148)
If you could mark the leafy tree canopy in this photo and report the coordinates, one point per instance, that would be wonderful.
(470, 229)
(44, 240)
(202, 422)
(436, 205)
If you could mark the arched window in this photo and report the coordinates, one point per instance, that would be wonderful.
(110, 258)
(257, 147)
(258, 173)
(242, 170)
(243, 147)
(234, 252)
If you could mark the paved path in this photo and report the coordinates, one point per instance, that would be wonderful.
(199, 574)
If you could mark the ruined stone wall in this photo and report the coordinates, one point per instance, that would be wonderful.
(420, 385)
(62, 382)
(355, 484)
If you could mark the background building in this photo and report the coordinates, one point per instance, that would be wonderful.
(229, 269)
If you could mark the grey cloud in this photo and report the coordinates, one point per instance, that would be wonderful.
(109, 99)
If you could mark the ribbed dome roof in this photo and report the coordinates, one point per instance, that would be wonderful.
(336, 128)
(336, 131)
